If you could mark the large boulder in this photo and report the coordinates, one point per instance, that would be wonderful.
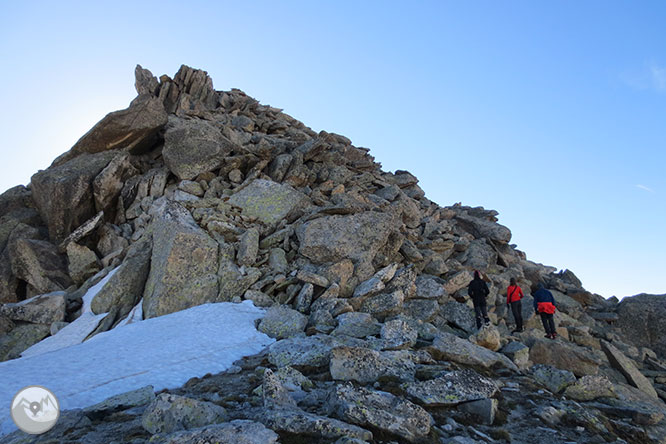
(450, 347)
(334, 238)
(192, 147)
(82, 262)
(9, 221)
(21, 338)
(43, 309)
(452, 388)
(552, 378)
(489, 337)
(110, 181)
(274, 394)
(40, 264)
(567, 304)
(301, 423)
(238, 431)
(125, 287)
(184, 263)
(429, 287)
(564, 356)
(191, 89)
(9, 284)
(134, 128)
(459, 315)
(63, 194)
(518, 352)
(268, 201)
(15, 198)
(282, 322)
(123, 401)
(641, 321)
(627, 367)
(481, 228)
(169, 413)
(397, 334)
(590, 387)
(366, 366)
(310, 351)
(356, 325)
(479, 255)
(380, 410)
(458, 281)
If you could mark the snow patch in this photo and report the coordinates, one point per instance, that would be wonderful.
(69, 335)
(164, 352)
(78, 330)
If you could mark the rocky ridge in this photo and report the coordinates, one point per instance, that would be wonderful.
(194, 195)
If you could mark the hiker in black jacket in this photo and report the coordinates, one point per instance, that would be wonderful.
(478, 291)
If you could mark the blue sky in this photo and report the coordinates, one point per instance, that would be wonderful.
(551, 113)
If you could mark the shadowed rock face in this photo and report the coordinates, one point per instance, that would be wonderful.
(134, 129)
(641, 321)
(192, 147)
(199, 196)
(64, 194)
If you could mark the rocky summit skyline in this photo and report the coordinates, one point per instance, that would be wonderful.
(192, 196)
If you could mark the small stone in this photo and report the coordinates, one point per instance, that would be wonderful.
(191, 187)
(235, 176)
(312, 278)
(249, 247)
(304, 298)
(277, 260)
(484, 409)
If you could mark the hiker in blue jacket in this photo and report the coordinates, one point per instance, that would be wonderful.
(544, 305)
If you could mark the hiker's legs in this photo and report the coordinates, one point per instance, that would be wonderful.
(548, 324)
(484, 312)
(516, 308)
(551, 324)
(481, 312)
(544, 321)
(477, 313)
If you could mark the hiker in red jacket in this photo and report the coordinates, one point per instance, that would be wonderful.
(513, 296)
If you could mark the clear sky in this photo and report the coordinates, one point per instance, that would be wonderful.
(551, 112)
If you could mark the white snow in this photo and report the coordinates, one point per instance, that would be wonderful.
(77, 331)
(163, 352)
(69, 335)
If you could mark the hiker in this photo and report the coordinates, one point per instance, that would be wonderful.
(544, 304)
(514, 294)
(478, 290)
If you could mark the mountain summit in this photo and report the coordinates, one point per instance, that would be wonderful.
(193, 196)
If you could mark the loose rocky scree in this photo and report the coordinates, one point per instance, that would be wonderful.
(198, 196)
